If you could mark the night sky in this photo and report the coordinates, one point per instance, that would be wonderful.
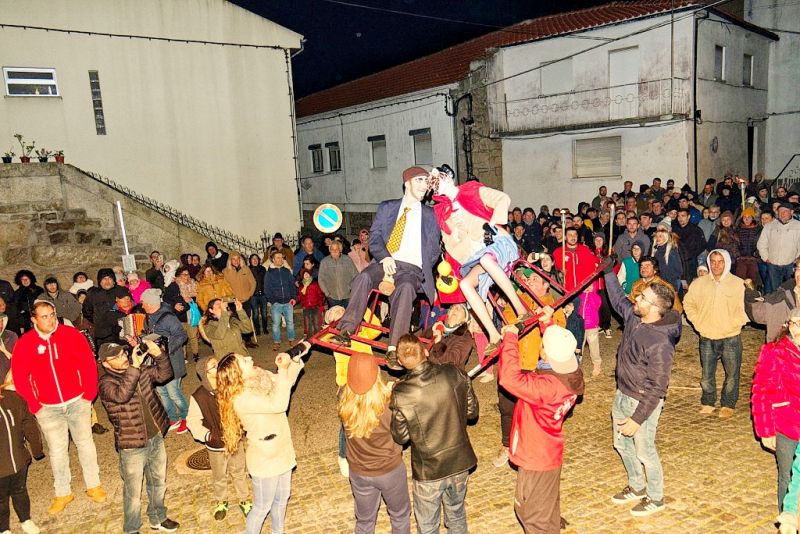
(344, 42)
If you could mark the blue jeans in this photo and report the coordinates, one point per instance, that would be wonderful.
(287, 311)
(763, 272)
(258, 311)
(778, 274)
(638, 452)
(173, 400)
(148, 463)
(270, 496)
(429, 496)
(729, 350)
(58, 423)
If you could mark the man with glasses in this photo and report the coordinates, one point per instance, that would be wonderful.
(55, 372)
(644, 364)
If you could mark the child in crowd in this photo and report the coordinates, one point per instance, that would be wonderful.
(590, 311)
(312, 300)
(575, 326)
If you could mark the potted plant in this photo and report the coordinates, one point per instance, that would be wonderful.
(25, 156)
(59, 156)
(43, 154)
(8, 156)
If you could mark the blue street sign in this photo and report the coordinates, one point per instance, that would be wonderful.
(327, 218)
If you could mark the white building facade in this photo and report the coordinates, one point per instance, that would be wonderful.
(354, 157)
(618, 102)
(205, 128)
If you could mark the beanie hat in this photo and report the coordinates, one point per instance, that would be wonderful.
(151, 296)
(559, 345)
(109, 350)
(413, 172)
(105, 272)
(749, 211)
(362, 372)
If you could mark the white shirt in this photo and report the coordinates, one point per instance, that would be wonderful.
(410, 250)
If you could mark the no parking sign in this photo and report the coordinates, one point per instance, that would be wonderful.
(327, 218)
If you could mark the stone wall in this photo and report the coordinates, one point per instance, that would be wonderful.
(55, 219)
(487, 154)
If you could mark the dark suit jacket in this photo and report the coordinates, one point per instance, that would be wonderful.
(382, 227)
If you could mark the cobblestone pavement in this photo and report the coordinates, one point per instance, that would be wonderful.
(718, 479)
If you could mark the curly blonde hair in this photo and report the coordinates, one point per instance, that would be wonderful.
(230, 383)
(360, 414)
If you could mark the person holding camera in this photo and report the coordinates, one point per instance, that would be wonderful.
(128, 393)
(223, 324)
(160, 320)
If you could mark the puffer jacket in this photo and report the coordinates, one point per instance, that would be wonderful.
(214, 288)
(17, 426)
(430, 407)
(776, 390)
(119, 394)
(645, 353)
(165, 323)
(279, 285)
(99, 302)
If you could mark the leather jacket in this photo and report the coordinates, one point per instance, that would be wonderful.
(430, 407)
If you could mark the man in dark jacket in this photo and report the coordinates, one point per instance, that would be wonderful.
(216, 257)
(67, 306)
(644, 363)
(692, 242)
(430, 408)
(127, 391)
(160, 320)
(99, 302)
(281, 293)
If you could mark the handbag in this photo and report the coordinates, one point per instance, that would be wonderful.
(194, 314)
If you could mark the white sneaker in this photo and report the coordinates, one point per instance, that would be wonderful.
(486, 377)
(344, 467)
(29, 527)
(502, 457)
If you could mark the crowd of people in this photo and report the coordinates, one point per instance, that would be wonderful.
(662, 258)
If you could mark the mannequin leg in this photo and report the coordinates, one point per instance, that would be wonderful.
(468, 287)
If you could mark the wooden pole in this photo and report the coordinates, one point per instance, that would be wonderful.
(563, 241)
(611, 224)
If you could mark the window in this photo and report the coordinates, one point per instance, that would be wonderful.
(30, 82)
(719, 63)
(97, 103)
(378, 143)
(423, 148)
(747, 70)
(334, 156)
(556, 77)
(598, 157)
(317, 164)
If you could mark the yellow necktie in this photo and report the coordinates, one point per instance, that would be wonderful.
(393, 244)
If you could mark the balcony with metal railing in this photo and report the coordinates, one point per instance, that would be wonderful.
(603, 106)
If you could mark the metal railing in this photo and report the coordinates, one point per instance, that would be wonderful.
(789, 177)
(646, 99)
(213, 233)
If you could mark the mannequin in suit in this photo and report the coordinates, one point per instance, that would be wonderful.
(408, 256)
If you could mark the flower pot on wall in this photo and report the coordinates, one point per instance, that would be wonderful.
(59, 159)
(6, 159)
(43, 159)
(25, 159)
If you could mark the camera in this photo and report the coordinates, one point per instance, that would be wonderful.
(296, 350)
(230, 303)
(142, 348)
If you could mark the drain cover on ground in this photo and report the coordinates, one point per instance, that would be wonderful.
(199, 461)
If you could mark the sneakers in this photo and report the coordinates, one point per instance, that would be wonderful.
(29, 527)
(220, 510)
(182, 428)
(647, 506)
(251, 345)
(97, 428)
(59, 503)
(627, 495)
(276, 347)
(486, 376)
(607, 333)
(173, 425)
(501, 459)
(97, 494)
(725, 412)
(245, 507)
(705, 409)
(344, 467)
(168, 525)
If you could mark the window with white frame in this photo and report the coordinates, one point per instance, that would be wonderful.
(378, 151)
(334, 156)
(597, 157)
(747, 70)
(21, 81)
(317, 164)
(719, 63)
(556, 77)
(423, 147)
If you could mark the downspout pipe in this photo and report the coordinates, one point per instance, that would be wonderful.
(697, 20)
(293, 119)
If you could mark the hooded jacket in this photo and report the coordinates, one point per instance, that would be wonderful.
(99, 302)
(220, 261)
(544, 398)
(279, 284)
(776, 390)
(66, 304)
(203, 418)
(165, 323)
(240, 279)
(54, 368)
(622, 245)
(17, 426)
(580, 263)
(716, 308)
(645, 353)
(213, 288)
(225, 334)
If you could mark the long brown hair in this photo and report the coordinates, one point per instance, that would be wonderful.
(361, 414)
(230, 383)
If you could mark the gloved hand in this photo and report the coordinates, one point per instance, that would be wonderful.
(608, 265)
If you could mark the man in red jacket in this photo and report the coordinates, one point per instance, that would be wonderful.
(544, 398)
(55, 372)
(576, 261)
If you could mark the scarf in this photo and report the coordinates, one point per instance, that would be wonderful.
(188, 289)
